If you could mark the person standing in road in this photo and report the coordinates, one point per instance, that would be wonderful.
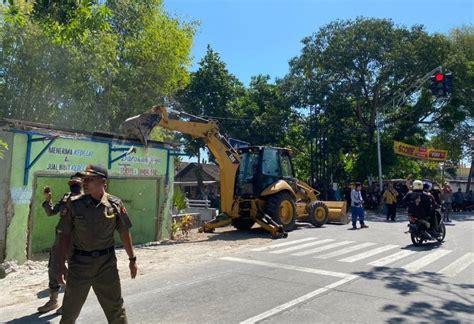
(390, 197)
(89, 222)
(357, 207)
(447, 201)
(74, 183)
(458, 200)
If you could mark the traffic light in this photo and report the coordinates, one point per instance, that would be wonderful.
(437, 85)
(448, 82)
(441, 84)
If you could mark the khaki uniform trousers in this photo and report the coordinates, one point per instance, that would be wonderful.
(101, 274)
(53, 265)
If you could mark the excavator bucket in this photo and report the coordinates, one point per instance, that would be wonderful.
(337, 212)
(140, 126)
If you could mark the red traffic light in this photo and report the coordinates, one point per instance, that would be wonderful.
(439, 77)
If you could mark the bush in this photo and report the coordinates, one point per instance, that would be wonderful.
(179, 199)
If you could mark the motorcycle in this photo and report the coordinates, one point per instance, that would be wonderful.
(420, 230)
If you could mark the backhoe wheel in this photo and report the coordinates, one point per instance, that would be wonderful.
(243, 224)
(318, 214)
(281, 208)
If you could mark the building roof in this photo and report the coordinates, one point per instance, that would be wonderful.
(27, 126)
(184, 171)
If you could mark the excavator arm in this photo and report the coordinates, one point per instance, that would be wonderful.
(226, 156)
(228, 159)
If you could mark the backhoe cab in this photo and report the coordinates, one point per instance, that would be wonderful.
(257, 184)
(266, 184)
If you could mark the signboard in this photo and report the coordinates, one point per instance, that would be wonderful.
(419, 152)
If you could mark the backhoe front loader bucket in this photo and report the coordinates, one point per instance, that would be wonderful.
(337, 212)
(140, 126)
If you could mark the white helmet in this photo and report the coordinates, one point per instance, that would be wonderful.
(417, 185)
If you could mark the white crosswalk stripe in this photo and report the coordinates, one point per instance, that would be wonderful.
(426, 260)
(323, 248)
(369, 253)
(459, 265)
(274, 246)
(391, 258)
(301, 246)
(345, 250)
(313, 245)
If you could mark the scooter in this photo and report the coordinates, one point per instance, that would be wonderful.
(420, 230)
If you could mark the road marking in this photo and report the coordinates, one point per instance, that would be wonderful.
(369, 253)
(265, 248)
(426, 260)
(344, 251)
(391, 258)
(297, 301)
(288, 267)
(301, 246)
(345, 279)
(459, 265)
(323, 248)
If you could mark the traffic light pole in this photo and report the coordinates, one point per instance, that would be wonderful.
(402, 98)
(379, 153)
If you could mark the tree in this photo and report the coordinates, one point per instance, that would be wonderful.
(212, 93)
(90, 64)
(358, 67)
(265, 113)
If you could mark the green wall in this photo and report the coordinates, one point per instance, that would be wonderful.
(42, 226)
(145, 169)
(140, 198)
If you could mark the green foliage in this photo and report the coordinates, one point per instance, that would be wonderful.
(350, 69)
(90, 64)
(175, 226)
(179, 199)
(212, 92)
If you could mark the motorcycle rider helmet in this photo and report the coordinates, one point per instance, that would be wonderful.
(417, 185)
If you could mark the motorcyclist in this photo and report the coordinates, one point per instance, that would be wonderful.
(420, 205)
(434, 219)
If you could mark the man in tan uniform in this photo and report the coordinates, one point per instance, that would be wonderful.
(75, 183)
(90, 222)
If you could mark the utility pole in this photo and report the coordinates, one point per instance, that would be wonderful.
(471, 169)
(311, 151)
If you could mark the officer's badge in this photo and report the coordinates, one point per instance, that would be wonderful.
(63, 211)
(110, 213)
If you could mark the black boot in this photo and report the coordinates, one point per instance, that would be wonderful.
(51, 304)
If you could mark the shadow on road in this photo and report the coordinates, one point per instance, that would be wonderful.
(34, 318)
(442, 302)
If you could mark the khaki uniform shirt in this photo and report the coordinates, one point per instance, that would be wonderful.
(390, 196)
(92, 226)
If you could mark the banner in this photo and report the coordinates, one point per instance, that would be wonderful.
(419, 152)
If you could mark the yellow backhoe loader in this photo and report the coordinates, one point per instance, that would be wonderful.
(257, 183)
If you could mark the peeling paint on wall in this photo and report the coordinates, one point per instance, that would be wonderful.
(67, 155)
(21, 196)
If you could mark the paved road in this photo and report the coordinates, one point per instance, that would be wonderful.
(330, 274)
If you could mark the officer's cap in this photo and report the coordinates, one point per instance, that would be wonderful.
(95, 170)
(76, 176)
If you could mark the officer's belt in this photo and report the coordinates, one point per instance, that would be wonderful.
(95, 253)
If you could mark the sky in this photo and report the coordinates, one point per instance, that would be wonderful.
(260, 36)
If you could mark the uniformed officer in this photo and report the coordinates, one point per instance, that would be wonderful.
(90, 222)
(74, 183)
